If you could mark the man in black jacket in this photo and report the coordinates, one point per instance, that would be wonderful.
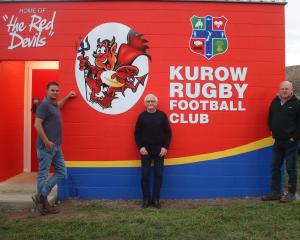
(152, 136)
(284, 124)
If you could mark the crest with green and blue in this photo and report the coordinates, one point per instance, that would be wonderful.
(208, 36)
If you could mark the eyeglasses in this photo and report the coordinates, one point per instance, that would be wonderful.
(150, 101)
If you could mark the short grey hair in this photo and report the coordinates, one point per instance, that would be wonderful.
(289, 83)
(150, 95)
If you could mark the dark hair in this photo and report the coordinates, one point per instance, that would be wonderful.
(51, 84)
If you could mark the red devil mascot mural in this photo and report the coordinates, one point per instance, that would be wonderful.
(113, 71)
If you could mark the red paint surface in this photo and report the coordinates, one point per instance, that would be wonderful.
(12, 120)
(256, 40)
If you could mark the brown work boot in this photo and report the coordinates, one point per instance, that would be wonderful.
(49, 208)
(38, 200)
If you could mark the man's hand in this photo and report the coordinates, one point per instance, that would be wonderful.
(49, 144)
(143, 151)
(163, 152)
(71, 94)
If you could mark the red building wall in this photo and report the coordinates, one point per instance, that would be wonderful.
(12, 118)
(227, 156)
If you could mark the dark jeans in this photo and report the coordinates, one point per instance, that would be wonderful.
(284, 150)
(158, 176)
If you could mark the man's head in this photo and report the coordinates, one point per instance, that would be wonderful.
(151, 102)
(286, 90)
(52, 91)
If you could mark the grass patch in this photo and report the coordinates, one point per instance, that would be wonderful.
(95, 220)
(114, 220)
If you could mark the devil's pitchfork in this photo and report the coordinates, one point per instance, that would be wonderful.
(82, 50)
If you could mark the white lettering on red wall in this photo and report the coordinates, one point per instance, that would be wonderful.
(197, 91)
(30, 29)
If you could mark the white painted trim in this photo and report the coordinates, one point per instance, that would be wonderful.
(27, 120)
(29, 66)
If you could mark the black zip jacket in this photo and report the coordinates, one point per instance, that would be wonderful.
(284, 120)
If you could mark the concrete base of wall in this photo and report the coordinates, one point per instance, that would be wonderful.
(16, 192)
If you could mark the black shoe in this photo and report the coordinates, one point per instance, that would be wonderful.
(289, 197)
(272, 197)
(156, 204)
(145, 204)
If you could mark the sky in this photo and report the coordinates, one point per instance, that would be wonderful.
(292, 33)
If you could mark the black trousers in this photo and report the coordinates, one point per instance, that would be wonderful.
(158, 176)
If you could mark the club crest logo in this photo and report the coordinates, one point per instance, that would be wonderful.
(208, 36)
(111, 68)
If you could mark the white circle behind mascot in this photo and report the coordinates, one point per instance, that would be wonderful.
(112, 68)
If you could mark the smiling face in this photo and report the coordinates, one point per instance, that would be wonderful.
(286, 90)
(105, 55)
(52, 92)
(151, 102)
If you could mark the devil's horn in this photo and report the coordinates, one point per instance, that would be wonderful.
(112, 41)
